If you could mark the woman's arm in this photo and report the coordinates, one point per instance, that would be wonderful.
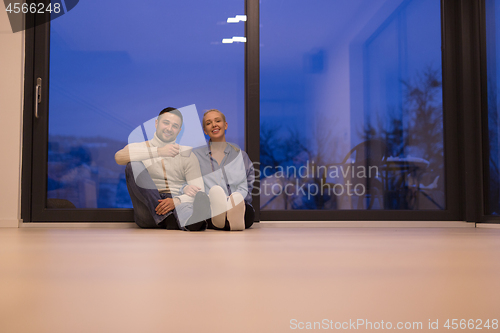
(250, 176)
(241, 175)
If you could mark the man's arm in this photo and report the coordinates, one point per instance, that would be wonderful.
(143, 151)
(166, 205)
(132, 152)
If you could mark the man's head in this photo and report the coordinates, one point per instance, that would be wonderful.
(168, 124)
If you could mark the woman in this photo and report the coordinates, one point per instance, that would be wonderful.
(228, 175)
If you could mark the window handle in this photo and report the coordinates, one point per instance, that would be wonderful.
(38, 95)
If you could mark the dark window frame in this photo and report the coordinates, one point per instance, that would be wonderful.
(450, 42)
(484, 209)
(461, 97)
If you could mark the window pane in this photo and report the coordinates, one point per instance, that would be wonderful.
(117, 64)
(351, 105)
(493, 59)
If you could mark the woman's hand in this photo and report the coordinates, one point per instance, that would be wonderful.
(191, 190)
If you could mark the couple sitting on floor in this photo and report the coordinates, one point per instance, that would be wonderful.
(176, 187)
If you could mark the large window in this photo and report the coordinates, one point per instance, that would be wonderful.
(493, 60)
(351, 105)
(115, 65)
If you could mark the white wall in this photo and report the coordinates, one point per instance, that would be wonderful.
(11, 91)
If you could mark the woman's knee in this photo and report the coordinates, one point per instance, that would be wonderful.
(218, 203)
(235, 199)
(216, 191)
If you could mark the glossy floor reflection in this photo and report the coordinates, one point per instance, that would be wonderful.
(132, 280)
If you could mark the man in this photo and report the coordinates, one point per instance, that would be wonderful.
(156, 170)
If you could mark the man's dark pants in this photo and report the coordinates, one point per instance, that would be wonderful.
(145, 198)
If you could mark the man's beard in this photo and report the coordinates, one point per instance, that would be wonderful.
(161, 136)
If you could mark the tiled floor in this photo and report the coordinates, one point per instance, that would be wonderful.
(260, 280)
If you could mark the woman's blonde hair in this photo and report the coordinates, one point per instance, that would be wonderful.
(213, 110)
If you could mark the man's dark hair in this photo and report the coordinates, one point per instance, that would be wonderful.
(172, 110)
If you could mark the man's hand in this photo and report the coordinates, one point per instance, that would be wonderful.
(191, 190)
(166, 205)
(169, 150)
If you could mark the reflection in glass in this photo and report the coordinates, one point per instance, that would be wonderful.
(116, 64)
(351, 105)
(493, 59)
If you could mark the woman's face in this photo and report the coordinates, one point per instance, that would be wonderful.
(214, 126)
